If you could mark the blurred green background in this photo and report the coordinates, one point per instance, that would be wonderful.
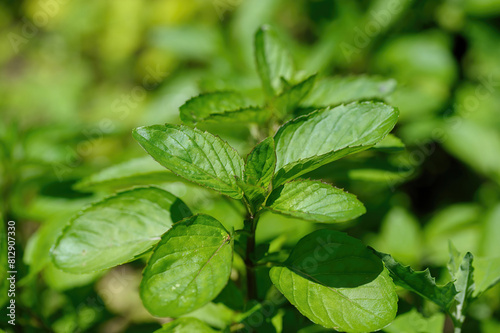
(77, 76)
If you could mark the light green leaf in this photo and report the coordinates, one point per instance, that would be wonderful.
(289, 99)
(401, 236)
(490, 246)
(355, 294)
(486, 274)
(315, 201)
(220, 106)
(414, 322)
(189, 267)
(241, 116)
(260, 164)
(59, 280)
(338, 90)
(186, 324)
(324, 136)
(390, 143)
(139, 171)
(273, 60)
(195, 155)
(464, 285)
(476, 145)
(420, 282)
(215, 314)
(117, 229)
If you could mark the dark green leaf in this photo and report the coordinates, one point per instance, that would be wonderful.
(420, 282)
(324, 136)
(189, 267)
(315, 201)
(335, 281)
(117, 229)
(195, 155)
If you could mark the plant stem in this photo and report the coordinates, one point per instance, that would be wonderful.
(250, 226)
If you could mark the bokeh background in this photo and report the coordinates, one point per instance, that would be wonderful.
(77, 76)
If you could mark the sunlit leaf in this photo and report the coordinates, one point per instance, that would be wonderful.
(273, 60)
(414, 322)
(315, 201)
(195, 155)
(189, 267)
(117, 229)
(324, 136)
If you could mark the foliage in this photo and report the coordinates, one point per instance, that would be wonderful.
(273, 161)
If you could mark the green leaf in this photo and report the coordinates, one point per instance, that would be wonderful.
(220, 106)
(217, 315)
(139, 171)
(323, 136)
(490, 246)
(315, 201)
(338, 90)
(273, 60)
(59, 280)
(335, 281)
(420, 282)
(260, 164)
(243, 116)
(464, 285)
(189, 267)
(390, 143)
(476, 145)
(414, 322)
(186, 324)
(117, 229)
(486, 274)
(195, 155)
(401, 236)
(289, 99)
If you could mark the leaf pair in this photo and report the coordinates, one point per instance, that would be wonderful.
(276, 71)
(189, 267)
(298, 147)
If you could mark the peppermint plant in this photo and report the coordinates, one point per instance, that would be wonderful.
(299, 123)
